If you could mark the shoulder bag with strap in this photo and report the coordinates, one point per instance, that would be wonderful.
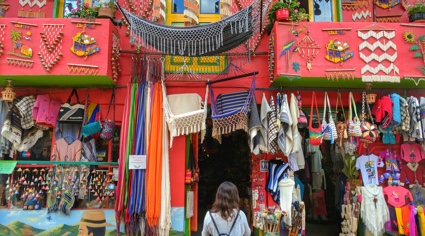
(315, 134)
(107, 132)
(329, 129)
(369, 129)
(353, 122)
(341, 125)
(71, 113)
(216, 228)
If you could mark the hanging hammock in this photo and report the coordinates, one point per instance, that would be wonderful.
(229, 112)
(185, 113)
(209, 39)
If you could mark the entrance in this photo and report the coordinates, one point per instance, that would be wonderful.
(228, 161)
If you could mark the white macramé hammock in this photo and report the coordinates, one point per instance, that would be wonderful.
(185, 113)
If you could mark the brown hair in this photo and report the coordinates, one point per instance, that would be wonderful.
(226, 199)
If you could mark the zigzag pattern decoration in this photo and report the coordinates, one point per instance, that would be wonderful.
(377, 58)
(360, 15)
(380, 34)
(19, 62)
(380, 67)
(30, 3)
(86, 69)
(376, 45)
(389, 19)
(381, 78)
(415, 80)
(353, 6)
(332, 75)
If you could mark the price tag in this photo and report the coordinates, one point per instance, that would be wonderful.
(137, 162)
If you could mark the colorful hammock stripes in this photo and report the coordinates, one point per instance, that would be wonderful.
(122, 163)
(154, 160)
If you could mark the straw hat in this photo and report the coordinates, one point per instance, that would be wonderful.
(94, 219)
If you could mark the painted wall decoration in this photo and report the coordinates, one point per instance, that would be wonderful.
(338, 52)
(84, 45)
(2, 30)
(336, 74)
(32, 14)
(387, 4)
(379, 53)
(308, 49)
(41, 223)
(352, 5)
(51, 45)
(360, 15)
(82, 69)
(417, 47)
(22, 51)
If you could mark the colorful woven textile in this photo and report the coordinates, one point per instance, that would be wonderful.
(232, 117)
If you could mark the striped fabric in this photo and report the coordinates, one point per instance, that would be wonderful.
(277, 171)
(272, 129)
(230, 102)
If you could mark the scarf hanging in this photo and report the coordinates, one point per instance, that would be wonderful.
(137, 199)
(122, 163)
(154, 160)
(165, 215)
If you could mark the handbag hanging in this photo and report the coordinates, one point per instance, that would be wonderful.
(93, 127)
(314, 133)
(109, 125)
(73, 114)
(341, 125)
(353, 122)
(329, 128)
(192, 173)
(302, 119)
(369, 129)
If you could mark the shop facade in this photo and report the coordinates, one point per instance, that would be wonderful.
(99, 59)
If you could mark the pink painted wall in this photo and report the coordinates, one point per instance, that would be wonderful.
(405, 62)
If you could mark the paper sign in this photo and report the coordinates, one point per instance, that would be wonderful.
(115, 171)
(6, 167)
(137, 162)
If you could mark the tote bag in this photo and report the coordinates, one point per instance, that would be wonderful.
(329, 128)
(314, 133)
(353, 122)
(73, 114)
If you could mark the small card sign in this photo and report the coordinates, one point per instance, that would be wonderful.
(264, 166)
(137, 162)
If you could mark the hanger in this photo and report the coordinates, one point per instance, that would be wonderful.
(183, 71)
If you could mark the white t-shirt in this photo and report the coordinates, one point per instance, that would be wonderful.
(368, 165)
(241, 227)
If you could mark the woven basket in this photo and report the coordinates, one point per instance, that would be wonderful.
(371, 98)
(8, 95)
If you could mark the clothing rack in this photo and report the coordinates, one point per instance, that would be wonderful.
(378, 91)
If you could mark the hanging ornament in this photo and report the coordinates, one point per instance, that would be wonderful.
(308, 49)
(51, 45)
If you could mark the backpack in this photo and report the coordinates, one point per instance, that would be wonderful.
(216, 228)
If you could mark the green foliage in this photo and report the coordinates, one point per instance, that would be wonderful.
(110, 4)
(296, 13)
(417, 55)
(414, 48)
(86, 12)
(419, 7)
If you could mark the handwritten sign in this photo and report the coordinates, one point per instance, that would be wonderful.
(137, 162)
(6, 167)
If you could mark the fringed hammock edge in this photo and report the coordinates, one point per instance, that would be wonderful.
(204, 40)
